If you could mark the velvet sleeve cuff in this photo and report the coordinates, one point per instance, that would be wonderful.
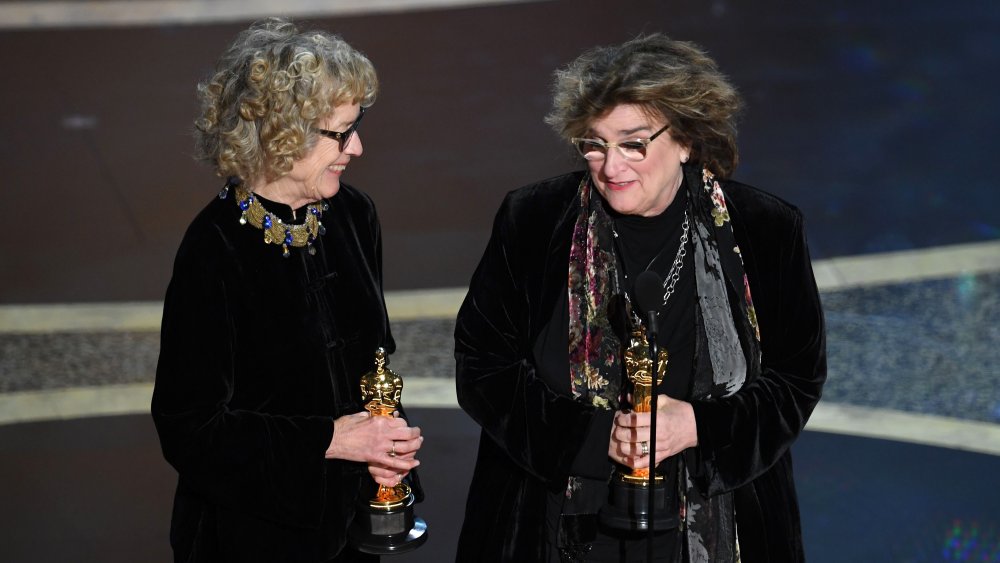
(592, 459)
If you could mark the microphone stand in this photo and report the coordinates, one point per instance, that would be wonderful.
(654, 355)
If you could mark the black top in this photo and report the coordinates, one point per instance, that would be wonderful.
(651, 243)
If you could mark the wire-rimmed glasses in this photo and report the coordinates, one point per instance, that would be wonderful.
(596, 149)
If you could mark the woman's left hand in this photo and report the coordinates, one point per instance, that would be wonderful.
(387, 444)
(676, 431)
(402, 450)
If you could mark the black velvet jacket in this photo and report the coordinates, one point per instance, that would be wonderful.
(532, 431)
(258, 355)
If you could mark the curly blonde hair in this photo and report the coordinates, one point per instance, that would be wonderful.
(673, 80)
(270, 89)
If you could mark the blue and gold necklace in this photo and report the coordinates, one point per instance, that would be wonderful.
(275, 230)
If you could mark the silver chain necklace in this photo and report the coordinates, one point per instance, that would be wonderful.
(675, 269)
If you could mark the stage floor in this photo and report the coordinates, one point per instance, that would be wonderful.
(98, 490)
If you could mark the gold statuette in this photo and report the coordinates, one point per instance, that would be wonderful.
(638, 366)
(634, 504)
(387, 525)
(381, 390)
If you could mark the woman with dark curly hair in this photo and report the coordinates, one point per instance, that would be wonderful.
(548, 339)
(274, 312)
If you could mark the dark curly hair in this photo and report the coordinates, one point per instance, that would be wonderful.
(673, 80)
(271, 87)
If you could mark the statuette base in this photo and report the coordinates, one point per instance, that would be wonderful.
(387, 532)
(628, 507)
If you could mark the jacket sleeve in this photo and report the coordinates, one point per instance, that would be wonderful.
(539, 429)
(741, 436)
(266, 465)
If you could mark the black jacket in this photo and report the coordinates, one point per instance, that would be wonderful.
(259, 354)
(532, 432)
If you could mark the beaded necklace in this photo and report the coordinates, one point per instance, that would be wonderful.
(275, 230)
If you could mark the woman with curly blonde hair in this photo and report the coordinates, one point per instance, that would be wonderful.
(275, 310)
(580, 269)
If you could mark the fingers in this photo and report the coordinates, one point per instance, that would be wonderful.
(676, 430)
(632, 419)
(397, 463)
(376, 439)
(635, 459)
(388, 422)
(632, 454)
(629, 444)
(404, 433)
(400, 454)
(386, 477)
(629, 431)
(635, 454)
(388, 482)
(629, 428)
(388, 474)
(403, 448)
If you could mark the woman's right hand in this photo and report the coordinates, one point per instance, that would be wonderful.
(387, 444)
(676, 430)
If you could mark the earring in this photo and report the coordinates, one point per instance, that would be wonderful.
(684, 159)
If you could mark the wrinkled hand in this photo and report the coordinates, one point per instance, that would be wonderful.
(373, 440)
(676, 431)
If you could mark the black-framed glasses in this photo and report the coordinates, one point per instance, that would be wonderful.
(343, 137)
(596, 149)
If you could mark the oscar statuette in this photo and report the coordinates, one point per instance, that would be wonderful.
(385, 524)
(630, 503)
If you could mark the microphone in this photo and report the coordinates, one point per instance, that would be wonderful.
(648, 290)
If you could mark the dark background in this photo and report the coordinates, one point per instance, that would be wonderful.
(879, 121)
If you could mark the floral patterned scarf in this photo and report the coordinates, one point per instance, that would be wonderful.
(727, 344)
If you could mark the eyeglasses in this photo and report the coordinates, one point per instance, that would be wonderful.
(343, 137)
(596, 149)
